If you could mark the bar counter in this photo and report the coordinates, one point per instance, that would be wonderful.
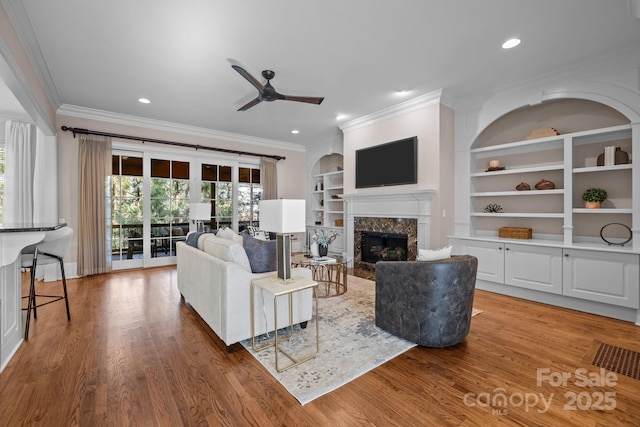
(14, 238)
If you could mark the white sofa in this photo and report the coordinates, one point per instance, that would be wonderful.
(215, 278)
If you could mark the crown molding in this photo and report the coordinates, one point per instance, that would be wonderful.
(422, 101)
(18, 84)
(124, 119)
(22, 25)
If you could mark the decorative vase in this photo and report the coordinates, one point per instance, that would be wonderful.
(314, 250)
(545, 184)
(592, 205)
(620, 158)
(324, 250)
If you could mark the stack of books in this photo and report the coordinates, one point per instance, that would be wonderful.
(324, 260)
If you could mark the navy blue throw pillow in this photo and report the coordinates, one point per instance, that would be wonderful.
(261, 253)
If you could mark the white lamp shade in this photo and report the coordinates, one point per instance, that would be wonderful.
(200, 211)
(283, 215)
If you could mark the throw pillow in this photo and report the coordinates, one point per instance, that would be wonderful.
(193, 237)
(261, 254)
(429, 255)
(229, 234)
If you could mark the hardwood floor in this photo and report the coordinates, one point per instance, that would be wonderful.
(134, 354)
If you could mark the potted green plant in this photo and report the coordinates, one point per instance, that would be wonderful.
(323, 240)
(593, 197)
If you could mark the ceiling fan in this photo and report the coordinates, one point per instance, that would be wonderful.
(267, 92)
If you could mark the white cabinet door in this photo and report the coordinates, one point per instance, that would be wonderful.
(533, 267)
(611, 278)
(490, 259)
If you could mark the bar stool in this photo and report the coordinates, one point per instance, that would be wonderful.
(49, 251)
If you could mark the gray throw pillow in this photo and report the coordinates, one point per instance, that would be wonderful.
(261, 253)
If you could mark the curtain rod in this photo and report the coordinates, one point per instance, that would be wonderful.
(161, 141)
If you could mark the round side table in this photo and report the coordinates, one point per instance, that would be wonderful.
(330, 273)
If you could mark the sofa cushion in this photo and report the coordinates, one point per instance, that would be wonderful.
(226, 250)
(261, 253)
(229, 234)
(428, 255)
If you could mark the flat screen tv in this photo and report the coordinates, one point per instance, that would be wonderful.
(393, 163)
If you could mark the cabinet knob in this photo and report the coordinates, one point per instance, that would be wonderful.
(506, 249)
(499, 248)
(566, 255)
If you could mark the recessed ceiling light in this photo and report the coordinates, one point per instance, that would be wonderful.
(511, 43)
(144, 101)
(295, 131)
(402, 92)
(341, 116)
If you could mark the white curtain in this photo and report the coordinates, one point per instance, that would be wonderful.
(20, 161)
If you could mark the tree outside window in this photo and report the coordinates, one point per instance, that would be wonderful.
(125, 184)
(217, 189)
(249, 195)
(169, 205)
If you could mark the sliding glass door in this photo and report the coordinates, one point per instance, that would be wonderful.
(126, 201)
(150, 193)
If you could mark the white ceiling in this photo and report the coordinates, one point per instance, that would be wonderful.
(106, 54)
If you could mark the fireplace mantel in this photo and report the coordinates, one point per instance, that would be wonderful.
(409, 204)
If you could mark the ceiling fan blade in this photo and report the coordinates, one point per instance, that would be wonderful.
(249, 77)
(307, 99)
(250, 104)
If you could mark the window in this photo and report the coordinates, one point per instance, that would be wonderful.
(217, 188)
(249, 195)
(150, 193)
(125, 186)
(169, 205)
(1, 180)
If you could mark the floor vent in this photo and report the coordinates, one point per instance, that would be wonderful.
(617, 359)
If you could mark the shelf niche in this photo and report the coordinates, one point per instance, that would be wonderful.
(568, 159)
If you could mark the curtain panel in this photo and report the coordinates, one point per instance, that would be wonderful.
(20, 163)
(94, 225)
(269, 178)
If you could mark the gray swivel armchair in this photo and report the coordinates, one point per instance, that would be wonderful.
(426, 302)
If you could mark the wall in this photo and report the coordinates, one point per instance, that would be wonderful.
(433, 123)
(291, 171)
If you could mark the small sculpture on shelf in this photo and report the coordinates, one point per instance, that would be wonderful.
(494, 165)
(523, 186)
(593, 197)
(612, 156)
(544, 184)
(493, 208)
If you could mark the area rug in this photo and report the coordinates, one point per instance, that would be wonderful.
(350, 344)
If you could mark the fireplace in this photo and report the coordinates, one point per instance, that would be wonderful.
(392, 213)
(377, 246)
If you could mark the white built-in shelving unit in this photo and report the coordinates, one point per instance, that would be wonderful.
(567, 263)
(569, 161)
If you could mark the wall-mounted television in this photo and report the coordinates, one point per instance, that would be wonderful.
(392, 163)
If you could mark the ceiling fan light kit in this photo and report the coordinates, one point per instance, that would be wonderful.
(268, 93)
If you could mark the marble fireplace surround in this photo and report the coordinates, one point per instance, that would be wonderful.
(401, 212)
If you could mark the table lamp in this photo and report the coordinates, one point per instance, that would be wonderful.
(283, 217)
(199, 212)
